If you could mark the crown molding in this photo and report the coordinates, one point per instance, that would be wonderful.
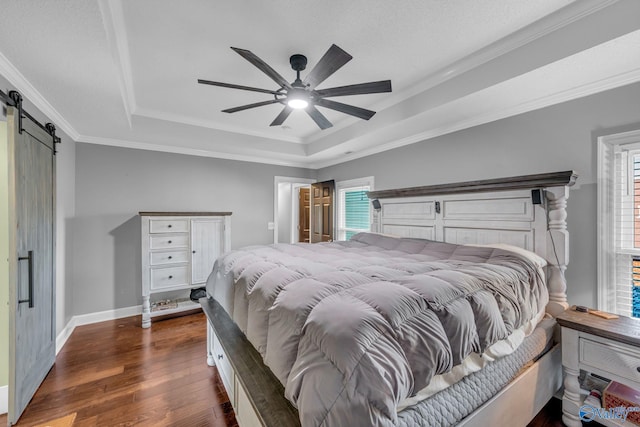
(497, 114)
(11, 73)
(114, 142)
(116, 31)
(28, 91)
(612, 82)
(210, 124)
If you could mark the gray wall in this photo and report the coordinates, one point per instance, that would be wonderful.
(65, 212)
(556, 138)
(114, 184)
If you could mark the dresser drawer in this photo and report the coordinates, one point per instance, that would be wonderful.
(168, 225)
(169, 241)
(169, 277)
(618, 359)
(169, 257)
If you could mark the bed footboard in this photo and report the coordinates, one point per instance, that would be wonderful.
(255, 393)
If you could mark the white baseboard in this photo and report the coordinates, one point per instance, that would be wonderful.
(89, 318)
(4, 399)
(64, 334)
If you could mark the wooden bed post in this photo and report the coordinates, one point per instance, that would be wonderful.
(558, 247)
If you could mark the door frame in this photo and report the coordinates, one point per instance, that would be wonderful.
(293, 181)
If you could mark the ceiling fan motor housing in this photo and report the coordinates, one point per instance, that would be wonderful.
(298, 62)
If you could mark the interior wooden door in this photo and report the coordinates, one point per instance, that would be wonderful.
(304, 214)
(322, 211)
(31, 266)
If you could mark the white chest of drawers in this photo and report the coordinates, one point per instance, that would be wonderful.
(178, 253)
(609, 348)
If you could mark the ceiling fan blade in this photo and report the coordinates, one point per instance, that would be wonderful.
(357, 89)
(282, 116)
(246, 107)
(347, 109)
(330, 62)
(318, 117)
(263, 66)
(232, 86)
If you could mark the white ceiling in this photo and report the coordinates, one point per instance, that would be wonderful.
(124, 72)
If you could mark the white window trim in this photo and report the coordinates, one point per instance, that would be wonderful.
(606, 220)
(350, 183)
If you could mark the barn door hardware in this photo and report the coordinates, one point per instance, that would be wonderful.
(29, 259)
(16, 98)
(51, 128)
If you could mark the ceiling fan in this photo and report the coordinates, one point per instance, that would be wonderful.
(302, 94)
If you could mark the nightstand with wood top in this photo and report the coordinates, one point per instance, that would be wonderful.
(609, 348)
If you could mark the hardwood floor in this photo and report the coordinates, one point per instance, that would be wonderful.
(115, 373)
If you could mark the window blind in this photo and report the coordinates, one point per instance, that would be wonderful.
(626, 204)
(353, 215)
(356, 215)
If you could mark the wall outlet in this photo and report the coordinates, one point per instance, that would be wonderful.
(271, 225)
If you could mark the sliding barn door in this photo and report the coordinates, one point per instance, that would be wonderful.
(322, 211)
(31, 263)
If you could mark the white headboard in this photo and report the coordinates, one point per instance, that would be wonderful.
(488, 211)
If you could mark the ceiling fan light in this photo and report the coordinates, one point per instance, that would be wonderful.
(297, 98)
(297, 103)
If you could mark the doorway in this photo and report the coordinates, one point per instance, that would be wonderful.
(286, 208)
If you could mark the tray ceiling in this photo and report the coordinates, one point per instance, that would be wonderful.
(124, 72)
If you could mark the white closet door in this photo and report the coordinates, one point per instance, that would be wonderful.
(207, 237)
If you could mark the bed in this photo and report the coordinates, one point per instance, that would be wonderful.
(438, 317)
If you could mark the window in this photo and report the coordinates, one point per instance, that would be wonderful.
(353, 207)
(619, 223)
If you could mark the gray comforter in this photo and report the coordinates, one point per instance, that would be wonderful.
(352, 328)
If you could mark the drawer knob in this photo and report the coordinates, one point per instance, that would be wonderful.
(219, 357)
(169, 226)
(170, 277)
(170, 257)
(169, 241)
(193, 252)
